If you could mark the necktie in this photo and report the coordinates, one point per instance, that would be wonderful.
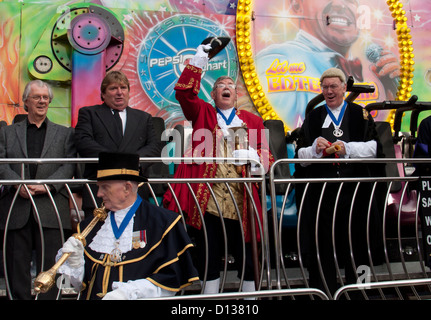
(118, 122)
(118, 125)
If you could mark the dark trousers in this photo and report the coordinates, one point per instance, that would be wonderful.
(216, 249)
(341, 235)
(20, 244)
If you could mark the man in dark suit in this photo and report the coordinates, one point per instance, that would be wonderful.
(97, 130)
(35, 137)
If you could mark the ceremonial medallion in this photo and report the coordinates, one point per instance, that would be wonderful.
(338, 132)
(139, 239)
(115, 254)
(337, 122)
(136, 245)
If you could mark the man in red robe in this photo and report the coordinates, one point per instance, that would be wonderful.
(212, 137)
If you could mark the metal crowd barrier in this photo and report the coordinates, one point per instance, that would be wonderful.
(283, 275)
(70, 184)
(403, 272)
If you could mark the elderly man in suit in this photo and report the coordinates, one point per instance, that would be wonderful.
(113, 127)
(36, 137)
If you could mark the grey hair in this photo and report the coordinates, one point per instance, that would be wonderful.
(333, 73)
(40, 84)
(221, 79)
(135, 186)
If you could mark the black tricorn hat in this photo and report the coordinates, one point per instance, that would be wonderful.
(217, 45)
(119, 166)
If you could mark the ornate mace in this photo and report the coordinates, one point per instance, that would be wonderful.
(45, 280)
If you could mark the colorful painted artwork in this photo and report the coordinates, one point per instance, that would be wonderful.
(72, 44)
(10, 73)
(79, 41)
(297, 40)
(158, 56)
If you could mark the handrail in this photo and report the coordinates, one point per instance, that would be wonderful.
(404, 267)
(274, 265)
(255, 179)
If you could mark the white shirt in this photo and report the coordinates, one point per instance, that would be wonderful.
(104, 240)
(335, 113)
(354, 149)
(236, 122)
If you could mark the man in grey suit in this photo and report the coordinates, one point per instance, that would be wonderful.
(35, 137)
(113, 127)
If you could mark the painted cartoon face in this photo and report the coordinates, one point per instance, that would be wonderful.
(332, 22)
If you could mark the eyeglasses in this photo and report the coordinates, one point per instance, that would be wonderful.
(332, 87)
(38, 98)
(223, 85)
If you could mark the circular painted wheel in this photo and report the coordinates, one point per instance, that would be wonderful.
(89, 34)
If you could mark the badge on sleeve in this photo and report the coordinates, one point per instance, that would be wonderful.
(365, 113)
(139, 239)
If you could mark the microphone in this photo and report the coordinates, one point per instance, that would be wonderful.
(373, 54)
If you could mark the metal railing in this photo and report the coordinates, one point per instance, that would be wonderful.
(400, 234)
(72, 184)
(283, 273)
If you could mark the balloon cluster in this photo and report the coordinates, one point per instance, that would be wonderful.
(405, 45)
(244, 18)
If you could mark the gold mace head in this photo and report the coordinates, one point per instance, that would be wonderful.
(44, 282)
(100, 213)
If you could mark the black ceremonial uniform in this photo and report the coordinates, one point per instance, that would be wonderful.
(357, 125)
(164, 260)
(423, 147)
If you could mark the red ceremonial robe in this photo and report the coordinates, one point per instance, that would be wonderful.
(203, 115)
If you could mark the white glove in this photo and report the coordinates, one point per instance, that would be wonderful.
(76, 250)
(200, 59)
(244, 153)
(115, 295)
(136, 289)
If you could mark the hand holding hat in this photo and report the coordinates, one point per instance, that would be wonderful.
(200, 59)
(217, 45)
(208, 49)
